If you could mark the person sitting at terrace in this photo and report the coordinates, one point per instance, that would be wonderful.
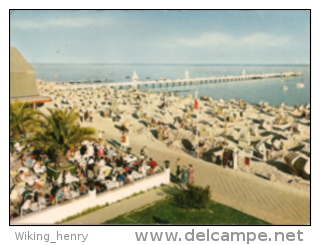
(100, 151)
(29, 162)
(83, 188)
(15, 198)
(42, 202)
(101, 162)
(121, 178)
(69, 178)
(20, 177)
(90, 165)
(39, 168)
(11, 161)
(119, 160)
(27, 205)
(90, 150)
(13, 211)
(78, 172)
(129, 177)
(66, 192)
(96, 168)
(110, 153)
(152, 164)
(142, 170)
(60, 194)
(108, 162)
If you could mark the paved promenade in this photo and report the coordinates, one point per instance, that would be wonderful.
(120, 208)
(273, 202)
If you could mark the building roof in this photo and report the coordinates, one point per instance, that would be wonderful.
(22, 80)
(32, 99)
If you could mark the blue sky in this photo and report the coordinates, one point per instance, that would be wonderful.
(170, 37)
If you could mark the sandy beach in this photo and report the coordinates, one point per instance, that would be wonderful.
(232, 124)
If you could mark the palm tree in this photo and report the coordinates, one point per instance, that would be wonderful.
(23, 118)
(59, 133)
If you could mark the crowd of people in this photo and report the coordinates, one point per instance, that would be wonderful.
(97, 167)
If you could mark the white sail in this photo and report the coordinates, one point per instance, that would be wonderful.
(134, 77)
(187, 74)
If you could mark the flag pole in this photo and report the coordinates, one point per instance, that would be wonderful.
(197, 108)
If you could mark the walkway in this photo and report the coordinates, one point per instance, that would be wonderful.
(120, 208)
(273, 202)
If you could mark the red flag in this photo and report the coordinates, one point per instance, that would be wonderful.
(196, 100)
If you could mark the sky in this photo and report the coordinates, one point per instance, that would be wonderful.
(162, 37)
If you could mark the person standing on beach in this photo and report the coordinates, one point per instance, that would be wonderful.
(178, 171)
(80, 116)
(127, 143)
(184, 177)
(143, 152)
(123, 141)
(190, 175)
(91, 116)
(100, 135)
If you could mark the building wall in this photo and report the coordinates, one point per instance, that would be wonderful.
(23, 84)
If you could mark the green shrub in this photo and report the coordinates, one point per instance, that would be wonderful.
(195, 197)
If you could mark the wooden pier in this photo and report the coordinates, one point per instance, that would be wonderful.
(187, 81)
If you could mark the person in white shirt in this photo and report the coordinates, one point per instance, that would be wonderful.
(15, 198)
(70, 178)
(11, 161)
(102, 162)
(39, 168)
(90, 150)
(100, 135)
(27, 205)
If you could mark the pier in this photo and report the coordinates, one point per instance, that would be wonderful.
(189, 81)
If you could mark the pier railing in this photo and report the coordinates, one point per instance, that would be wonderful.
(186, 81)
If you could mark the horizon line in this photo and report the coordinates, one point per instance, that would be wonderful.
(174, 64)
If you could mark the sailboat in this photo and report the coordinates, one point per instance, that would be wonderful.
(285, 87)
(300, 85)
(134, 77)
(186, 75)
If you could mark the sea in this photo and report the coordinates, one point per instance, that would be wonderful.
(252, 91)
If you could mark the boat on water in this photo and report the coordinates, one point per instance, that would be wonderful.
(300, 85)
(284, 87)
(161, 79)
(135, 77)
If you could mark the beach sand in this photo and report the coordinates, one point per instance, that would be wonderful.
(244, 188)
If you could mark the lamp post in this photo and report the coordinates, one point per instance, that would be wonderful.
(167, 163)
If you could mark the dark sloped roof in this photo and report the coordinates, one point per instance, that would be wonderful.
(22, 79)
(18, 63)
